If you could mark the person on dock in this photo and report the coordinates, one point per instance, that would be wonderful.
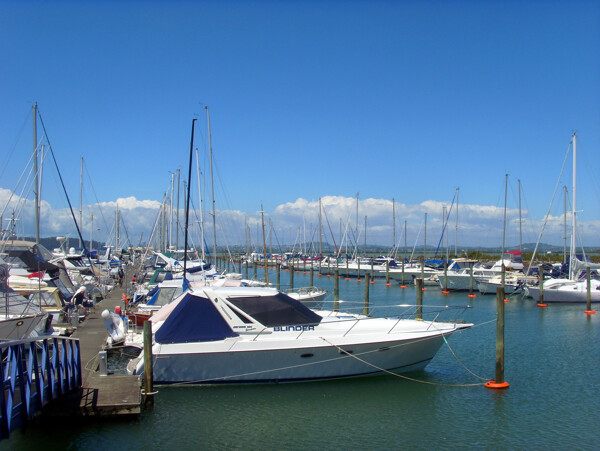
(121, 274)
(77, 300)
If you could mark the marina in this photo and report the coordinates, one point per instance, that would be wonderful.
(300, 225)
(551, 360)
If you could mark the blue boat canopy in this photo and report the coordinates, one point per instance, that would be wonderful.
(195, 319)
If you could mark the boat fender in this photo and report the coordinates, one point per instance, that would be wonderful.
(114, 325)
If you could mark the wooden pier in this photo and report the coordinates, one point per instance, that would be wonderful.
(113, 394)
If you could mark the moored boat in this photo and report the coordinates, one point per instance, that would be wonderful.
(245, 335)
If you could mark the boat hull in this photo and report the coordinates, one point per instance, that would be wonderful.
(563, 295)
(175, 364)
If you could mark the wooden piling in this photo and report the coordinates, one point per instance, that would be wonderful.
(471, 295)
(366, 297)
(588, 308)
(358, 271)
(246, 269)
(402, 283)
(278, 277)
(291, 276)
(419, 290)
(148, 375)
(311, 276)
(499, 382)
(445, 290)
(387, 273)
(541, 286)
(336, 292)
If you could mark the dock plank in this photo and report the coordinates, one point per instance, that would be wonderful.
(114, 394)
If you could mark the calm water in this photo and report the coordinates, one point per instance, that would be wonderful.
(552, 360)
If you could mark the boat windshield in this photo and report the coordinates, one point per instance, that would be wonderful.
(276, 310)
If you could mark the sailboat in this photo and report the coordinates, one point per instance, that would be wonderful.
(575, 288)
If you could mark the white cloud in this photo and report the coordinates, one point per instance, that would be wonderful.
(479, 225)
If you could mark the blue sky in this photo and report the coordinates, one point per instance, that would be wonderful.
(405, 100)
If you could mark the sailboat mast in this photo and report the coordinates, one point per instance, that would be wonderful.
(187, 202)
(262, 216)
(456, 227)
(201, 207)
(504, 226)
(320, 230)
(212, 185)
(81, 197)
(177, 210)
(520, 220)
(36, 185)
(574, 215)
(565, 225)
(394, 225)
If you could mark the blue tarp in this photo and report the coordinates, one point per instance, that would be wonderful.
(195, 319)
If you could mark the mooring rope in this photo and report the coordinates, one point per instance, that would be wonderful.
(391, 373)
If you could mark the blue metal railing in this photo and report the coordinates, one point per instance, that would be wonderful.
(35, 372)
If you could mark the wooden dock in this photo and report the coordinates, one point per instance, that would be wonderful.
(114, 394)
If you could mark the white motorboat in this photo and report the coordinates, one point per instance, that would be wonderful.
(249, 335)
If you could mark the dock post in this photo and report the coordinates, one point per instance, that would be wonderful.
(471, 295)
(358, 279)
(372, 272)
(445, 290)
(347, 270)
(254, 265)
(278, 278)
(336, 292)
(291, 276)
(541, 285)
(311, 275)
(328, 267)
(148, 375)
(499, 382)
(366, 299)
(419, 290)
(240, 265)
(387, 273)
(246, 269)
(402, 283)
(588, 309)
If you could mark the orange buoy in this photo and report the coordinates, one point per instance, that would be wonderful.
(471, 295)
(402, 286)
(590, 312)
(388, 284)
(506, 300)
(493, 384)
(542, 305)
(445, 292)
